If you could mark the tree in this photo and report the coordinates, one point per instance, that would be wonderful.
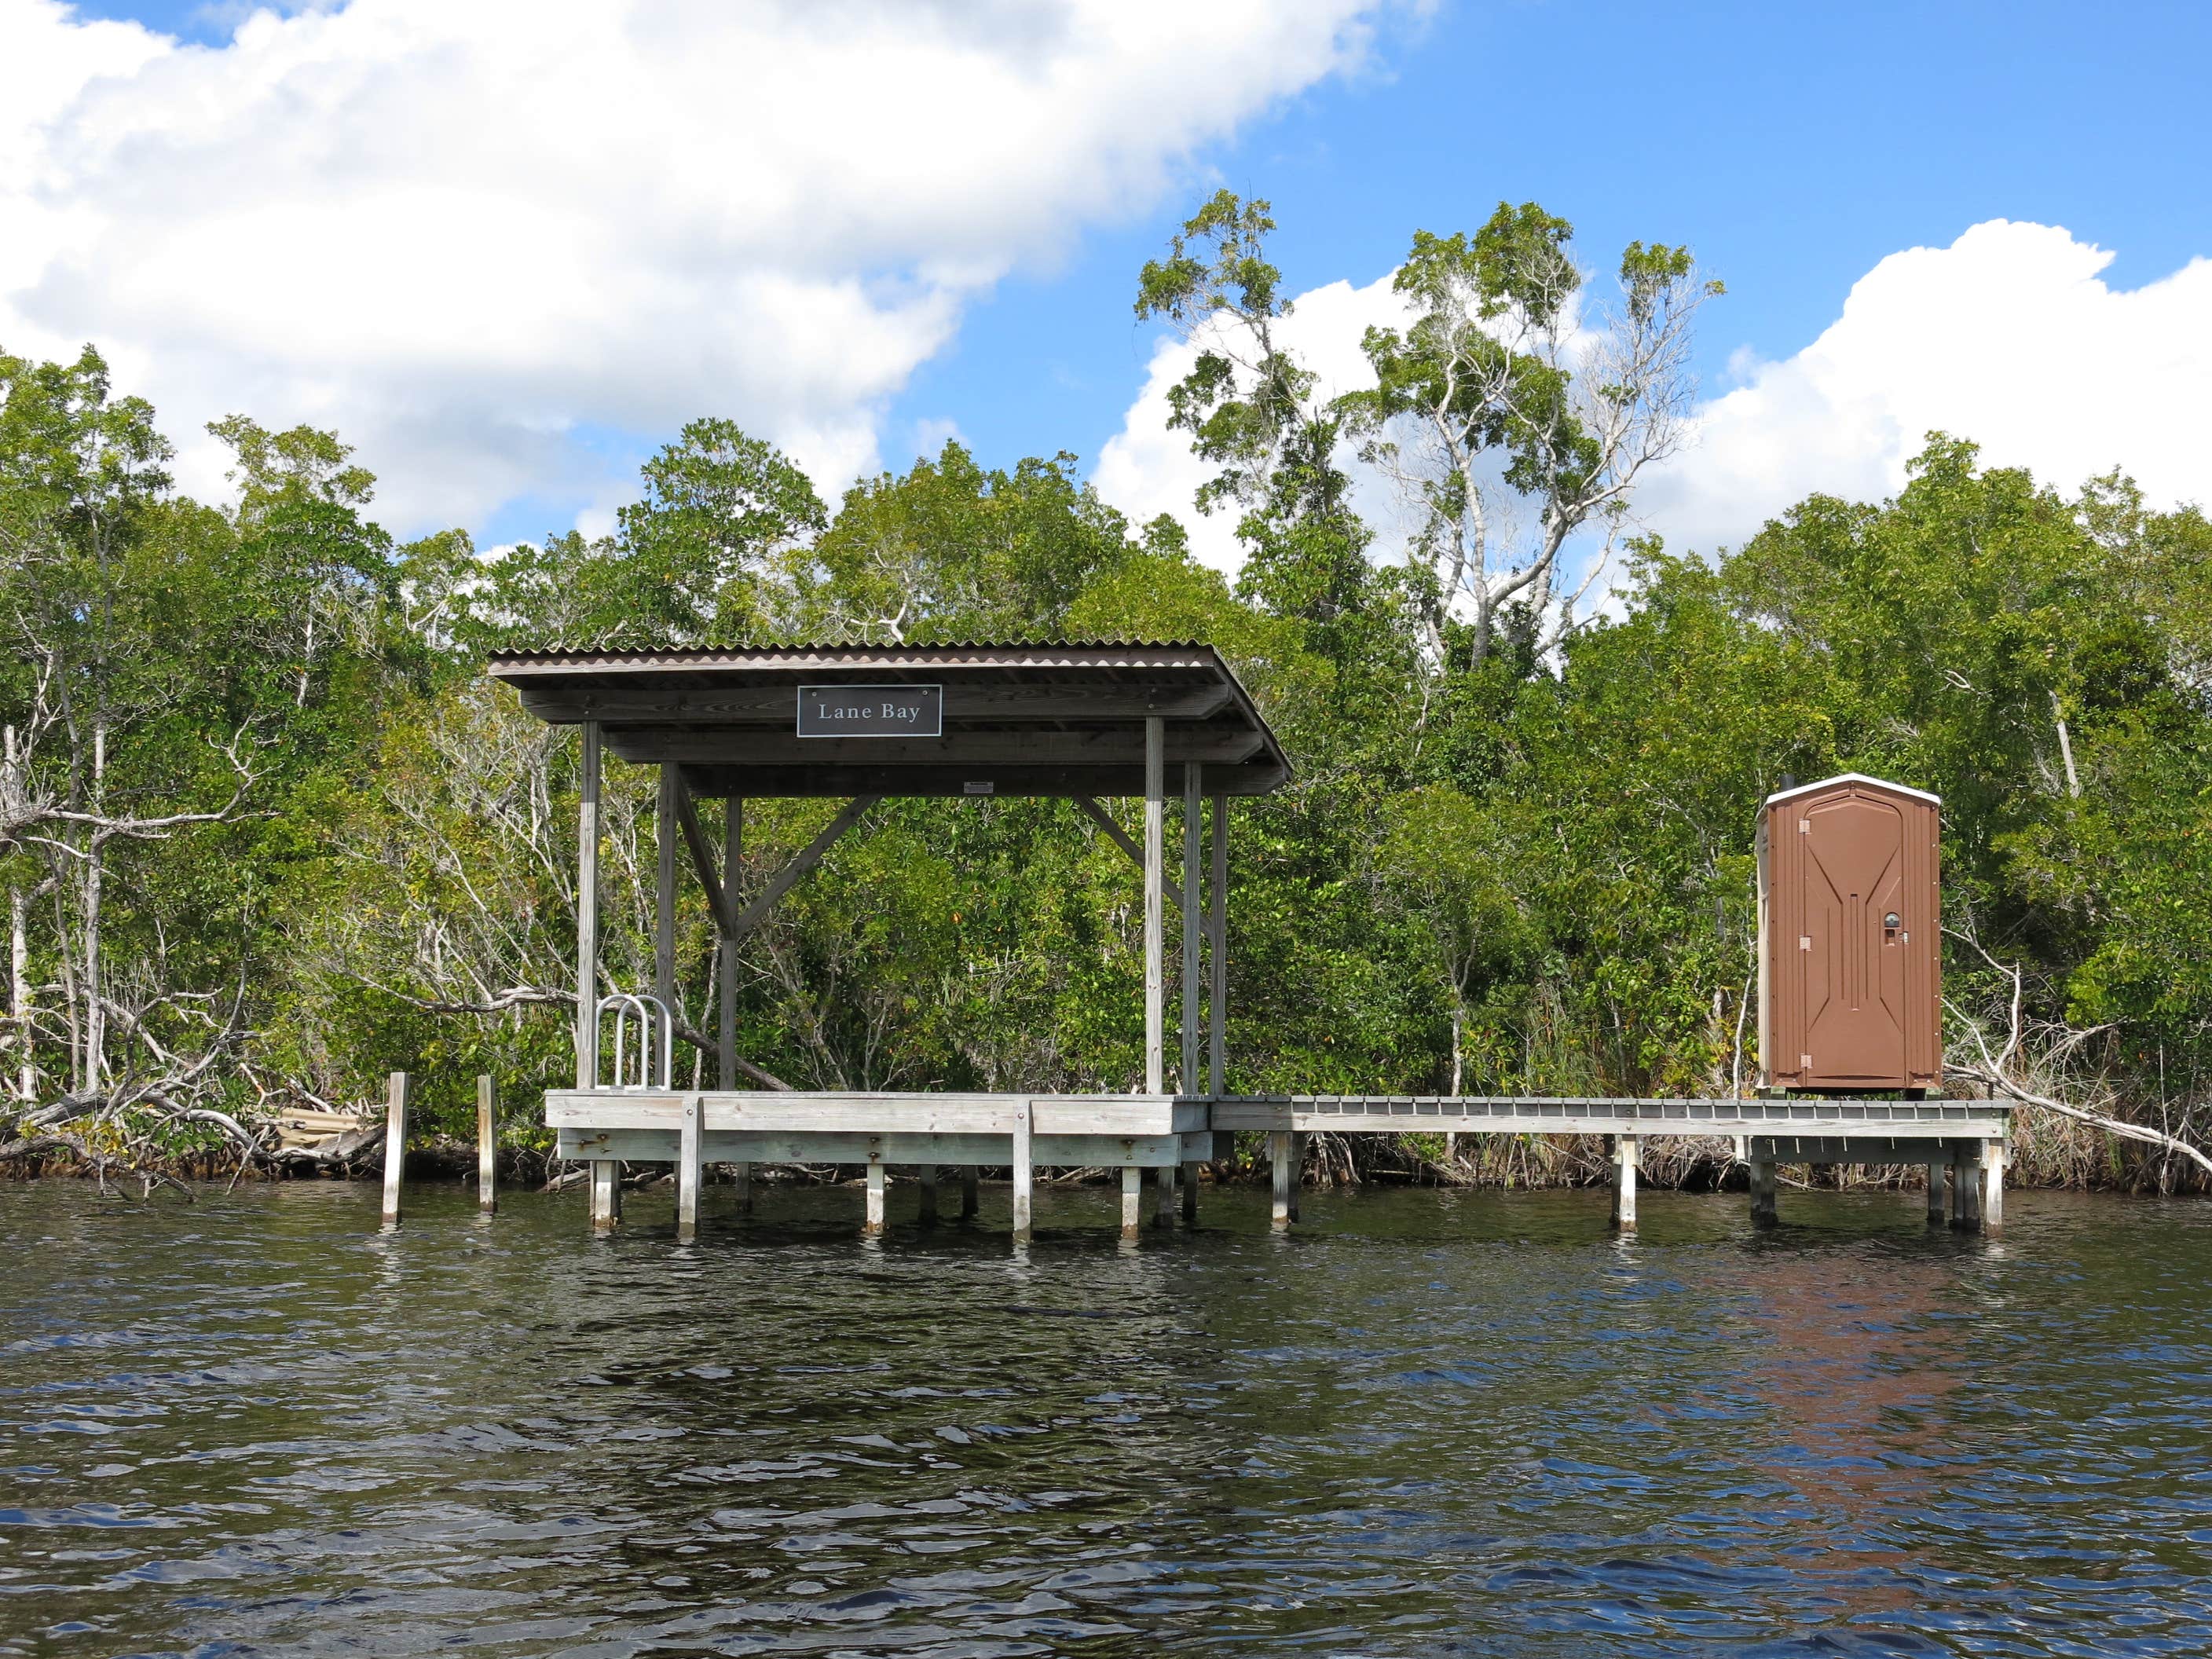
(1515, 419)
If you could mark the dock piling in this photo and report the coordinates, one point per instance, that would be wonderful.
(1022, 1172)
(487, 1145)
(1936, 1167)
(1762, 1192)
(1965, 1187)
(873, 1226)
(1190, 1193)
(742, 1175)
(398, 1091)
(926, 1212)
(606, 1194)
(1624, 1184)
(1993, 1173)
(1285, 1177)
(1163, 1195)
(970, 1199)
(1133, 1200)
(688, 1171)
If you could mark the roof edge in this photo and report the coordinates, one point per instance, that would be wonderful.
(1855, 777)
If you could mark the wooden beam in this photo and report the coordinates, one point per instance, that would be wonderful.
(746, 746)
(702, 860)
(1155, 875)
(588, 912)
(777, 705)
(1256, 777)
(663, 893)
(1217, 1024)
(1194, 882)
(1121, 838)
(787, 878)
(733, 832)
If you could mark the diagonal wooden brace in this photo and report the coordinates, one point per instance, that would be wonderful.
(1122, 839)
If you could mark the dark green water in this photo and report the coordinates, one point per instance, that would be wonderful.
(1426, 1423)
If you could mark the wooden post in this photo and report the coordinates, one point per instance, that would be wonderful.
(487, 1146)
(1936, 1167)
(398, 1092)
(1762, 1192)
(1966, 1187)
(688, 1170)
(1190, 1170)
(664, 895)
(1624, 1184)
(587, 913)
(1021, 1169)
(1132, 1201)
(1285, 1177)
(1992, 1174)
(1217, 1024)
(970, 1199)
(927, 1213)
(1298, 1173)
(606, 1194)
(873, 1226)
(1192, 918)
(734, 861)
(1155, 872)
(1163, 1195)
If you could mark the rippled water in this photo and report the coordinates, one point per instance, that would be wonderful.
(1428, 1423)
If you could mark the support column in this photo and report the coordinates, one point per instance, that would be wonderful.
(487, 1145)
(1132, 1201)
(1762, 1192)
(1298, 1173)
(1285, 1177)
(1992, 1175)
(1965, 1187)
(1163, 1195)
(606, 1194)
(1624, 1183)
(664, 897)
(970, 1199)
(587, 913)
(1194, 886)
(734, 863)
(925, 1212)
(688, 1170)
(873, 1226)
(1155, 872)
(397, 1093)
(1022, 1172)
(1217, 1024)
(1190, 1170)
(1937, 1168)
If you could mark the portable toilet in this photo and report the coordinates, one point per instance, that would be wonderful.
(1849, 940)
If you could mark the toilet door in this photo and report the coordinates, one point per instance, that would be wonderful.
(1855, 928)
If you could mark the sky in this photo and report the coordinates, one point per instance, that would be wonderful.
(507, 249)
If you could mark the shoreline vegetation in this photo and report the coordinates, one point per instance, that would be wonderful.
(267, 833)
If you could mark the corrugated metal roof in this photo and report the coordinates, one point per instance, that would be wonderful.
(1024, 654)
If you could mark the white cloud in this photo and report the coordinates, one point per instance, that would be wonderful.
(2009, 337)
(465, 233)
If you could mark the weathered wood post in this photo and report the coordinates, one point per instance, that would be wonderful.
(664, 894)
(1021, 1169)
(873, 1226)
(1163, 1196)
(1285, 1177)
(1762, 1192)
(1155, 881)
(1937, 1169)
(1217, 1025)
(926, 1211)
(606, 1194)
(487, 1145)
(1966, 1187)
(1624, 1183)
(969, 1198)
(399, 1090)
(688, 1140)
(1992, 1175)
(733, 864)
(1132, 1201)
(1194, 920)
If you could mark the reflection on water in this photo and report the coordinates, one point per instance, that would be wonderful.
(1429, 1423)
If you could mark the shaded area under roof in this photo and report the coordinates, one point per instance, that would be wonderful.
(1019, 719)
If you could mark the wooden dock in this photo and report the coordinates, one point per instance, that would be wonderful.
(1961, 1142)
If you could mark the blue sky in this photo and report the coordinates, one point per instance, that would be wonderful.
(1794, 148)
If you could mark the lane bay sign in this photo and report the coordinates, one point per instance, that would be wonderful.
(871, 711)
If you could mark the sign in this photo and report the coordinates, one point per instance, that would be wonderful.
(871, 711)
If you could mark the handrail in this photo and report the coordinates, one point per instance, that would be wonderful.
(650, 1011)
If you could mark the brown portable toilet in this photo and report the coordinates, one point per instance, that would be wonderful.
(1849, 944)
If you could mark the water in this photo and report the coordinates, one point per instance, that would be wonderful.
(1428, 1423)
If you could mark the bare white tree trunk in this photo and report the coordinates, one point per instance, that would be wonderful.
(95, 1023)
(19, 993)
